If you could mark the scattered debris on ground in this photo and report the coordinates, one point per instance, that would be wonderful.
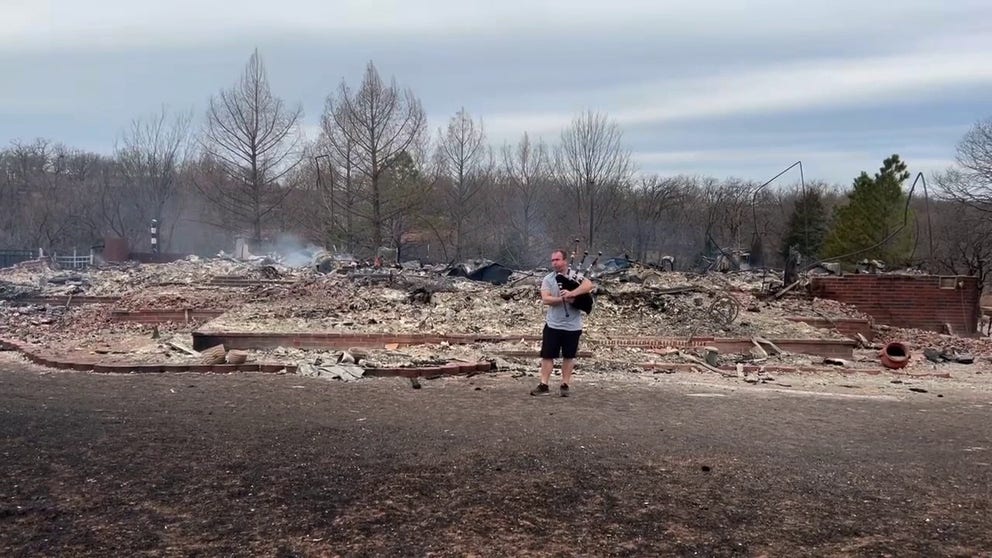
(37, 305)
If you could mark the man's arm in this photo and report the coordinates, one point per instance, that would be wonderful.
(549, 299)
(584, 287)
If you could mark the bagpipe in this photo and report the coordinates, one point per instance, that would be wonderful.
(572, 281)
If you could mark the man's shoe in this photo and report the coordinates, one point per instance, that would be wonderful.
(541, 389)
(563, 390)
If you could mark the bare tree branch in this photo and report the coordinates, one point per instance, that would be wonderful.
(380, 123)
(253, 140)
(592, 163)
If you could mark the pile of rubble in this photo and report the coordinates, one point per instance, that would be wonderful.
(265, 296)
(41, 278)
(408, 304)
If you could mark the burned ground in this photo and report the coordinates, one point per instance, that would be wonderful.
(853, 460)
(643, 464)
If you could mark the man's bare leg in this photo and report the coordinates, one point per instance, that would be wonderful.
(547, 365)
(567, 365)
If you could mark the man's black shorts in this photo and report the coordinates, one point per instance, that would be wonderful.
(559, 342)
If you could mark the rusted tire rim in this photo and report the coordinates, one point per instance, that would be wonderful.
(724, 309)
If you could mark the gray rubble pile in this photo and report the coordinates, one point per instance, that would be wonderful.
(268, 297)
(120, 279)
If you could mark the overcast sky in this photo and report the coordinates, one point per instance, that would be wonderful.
(717, 88)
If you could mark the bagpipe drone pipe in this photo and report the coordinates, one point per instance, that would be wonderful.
(572, 281)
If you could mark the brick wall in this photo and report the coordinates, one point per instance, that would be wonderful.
(916, 301)
(163, 316)
(840, 348)
(237, 340)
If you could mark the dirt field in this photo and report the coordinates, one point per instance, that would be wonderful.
(635, 465)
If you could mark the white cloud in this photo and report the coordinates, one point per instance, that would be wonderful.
(727, 155)
(117, 23)
(773, 89)
(636, 60)
(810, 84)
(839, 166)
(510, 127)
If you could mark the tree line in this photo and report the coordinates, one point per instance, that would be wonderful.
(377, 176)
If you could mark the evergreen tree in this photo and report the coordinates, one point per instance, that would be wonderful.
(875, 211)
(807, 227)
(405, 192)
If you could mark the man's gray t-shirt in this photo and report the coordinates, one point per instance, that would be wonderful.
(556, 317)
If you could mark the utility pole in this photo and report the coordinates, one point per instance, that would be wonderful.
(320, 189)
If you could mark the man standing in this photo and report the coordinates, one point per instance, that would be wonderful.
(563, 324)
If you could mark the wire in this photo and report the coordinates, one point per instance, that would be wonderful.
(754, 200)
(905, 221)
(926, 198)
(754, 211)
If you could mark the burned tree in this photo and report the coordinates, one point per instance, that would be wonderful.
(962, 241)
(250, 143)
(523, 182)
(971, 182)
(339, 191)
(650, 206)
(592, 164)
(464, 163)
(50, 186)
(150, 155)
(380, 122)
(727, 210)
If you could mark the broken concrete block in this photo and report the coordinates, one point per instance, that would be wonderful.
(236, 357)
(345, 372)
(214, 355)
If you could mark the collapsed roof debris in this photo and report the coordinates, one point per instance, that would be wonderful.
(490, 272)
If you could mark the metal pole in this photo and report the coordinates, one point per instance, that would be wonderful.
(154, 231)
(316, 161)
